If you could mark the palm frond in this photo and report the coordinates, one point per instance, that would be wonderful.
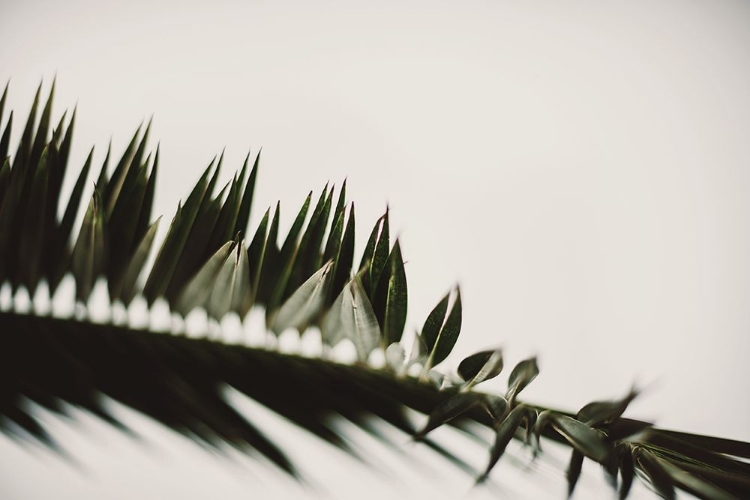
(210, 260)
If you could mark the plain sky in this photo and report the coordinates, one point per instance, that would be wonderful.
(581, 169)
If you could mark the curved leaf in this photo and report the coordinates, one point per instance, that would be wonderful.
(393, 286)
(127, 290)
(89, 256)
(344, 258)
(627, 471)
(505, 429)
(442, 345)
(449, 409)
(380, 256)
(605, 412)
(243, 216)
(481, 366)
(585, 439)
(434, 322)
(521, 376)
(693, 483)
(574, 470)
(660, 479)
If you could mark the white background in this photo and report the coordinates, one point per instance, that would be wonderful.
(580, 168)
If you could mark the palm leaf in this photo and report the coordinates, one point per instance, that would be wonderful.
(207, 261)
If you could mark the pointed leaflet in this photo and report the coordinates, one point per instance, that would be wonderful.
(255, 250)
(127, 169)
(208, 196)
(40, 139)
(290, 243)
(585, 439)
(334, 237)
(311, 252)
(58, 131)
(57, 165)
(225, 222)
(232, 288)
(308, 251)
(31, 239)
(71, 210)
(243, 217)
(127, 289)
(351, 316)
(137, 159)
(89, 256)
(505, 429)
(195, 252)
(440, 338)
(102, 181)
(304, 306)
(627, 470)
(660, 479)
(62, 163)
(58, 268)
(434, 322)
(269, 263)
(612, 466)
(574, 470)
(481, 366)
(135, 175)
(123, 221)
(605, 412)
(242, 177)
(449, 409)
(5, 137)
(369, 250)
(286, 261)
(693, 483)
(344, 258)
(521, 376)
(144, 215)
(171, 249)
(197, 291)
(380, 257)
(67, 139)
(369, 254)
(112, 189)
(391, 297)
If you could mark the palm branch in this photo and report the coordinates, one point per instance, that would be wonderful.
(209, 261)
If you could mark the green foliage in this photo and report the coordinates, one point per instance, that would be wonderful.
(205, 261)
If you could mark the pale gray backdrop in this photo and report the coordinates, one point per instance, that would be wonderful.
(580, 168)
